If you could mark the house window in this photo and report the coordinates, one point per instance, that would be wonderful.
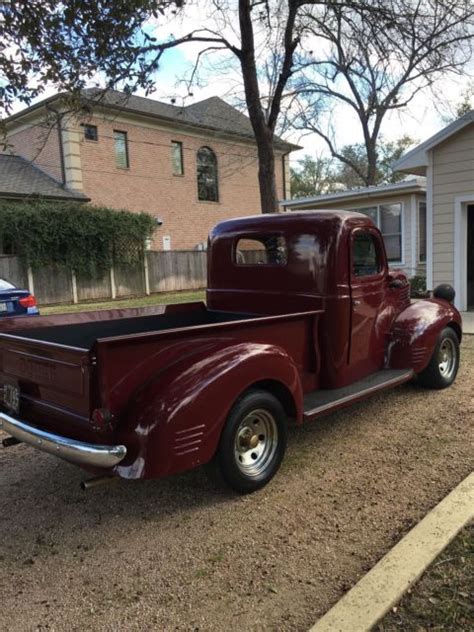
(422, 232)
(388, 218)
(177, 158)
(90, 132)
(121, 149)
(207, 175)
(264, 250)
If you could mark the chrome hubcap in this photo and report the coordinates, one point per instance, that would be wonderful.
(256, 442)
(447, 358)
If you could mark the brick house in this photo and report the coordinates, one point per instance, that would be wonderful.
(190, 167)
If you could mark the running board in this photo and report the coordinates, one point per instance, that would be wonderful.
(321, 402)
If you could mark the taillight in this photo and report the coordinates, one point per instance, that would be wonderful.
(28, 301)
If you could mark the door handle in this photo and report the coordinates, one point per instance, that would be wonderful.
(355, 302)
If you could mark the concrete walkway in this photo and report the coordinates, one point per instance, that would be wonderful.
(468, 322)
(383, 586)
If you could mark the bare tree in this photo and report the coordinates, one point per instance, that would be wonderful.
(269, 46)
(372, 67)
(263, 37)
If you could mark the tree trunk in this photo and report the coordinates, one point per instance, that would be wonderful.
(371, 164)
(266, 176)
(263, 132)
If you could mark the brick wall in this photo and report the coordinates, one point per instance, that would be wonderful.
(149, 184)
(40, 143)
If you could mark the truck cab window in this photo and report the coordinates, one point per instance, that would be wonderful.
(366, 260)
(265, 250)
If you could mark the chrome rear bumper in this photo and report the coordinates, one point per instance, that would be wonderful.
(68, 449)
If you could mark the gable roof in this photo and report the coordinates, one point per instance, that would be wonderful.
(410, 185)
(416, 160)
(19, 178)
(211, 114)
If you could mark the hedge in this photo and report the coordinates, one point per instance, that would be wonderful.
(87, 239)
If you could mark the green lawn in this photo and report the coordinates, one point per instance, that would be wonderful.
(143, 301)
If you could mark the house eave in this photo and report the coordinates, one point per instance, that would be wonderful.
(7, 195)
(401, 188)
(417, 160)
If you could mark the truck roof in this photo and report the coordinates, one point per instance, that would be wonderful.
(291, 220)
(316, 252)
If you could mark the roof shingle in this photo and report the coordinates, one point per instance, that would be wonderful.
(20, 178)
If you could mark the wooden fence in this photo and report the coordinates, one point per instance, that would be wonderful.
(166, 271)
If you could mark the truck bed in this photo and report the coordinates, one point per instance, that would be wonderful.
(83, 335)
(65, 371)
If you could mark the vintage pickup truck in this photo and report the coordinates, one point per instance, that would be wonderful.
(303, 316)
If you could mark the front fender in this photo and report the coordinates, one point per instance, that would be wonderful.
(416, 330)
(178, 416)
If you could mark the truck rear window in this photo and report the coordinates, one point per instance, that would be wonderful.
(263, 250)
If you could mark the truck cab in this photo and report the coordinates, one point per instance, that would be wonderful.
(334, 261)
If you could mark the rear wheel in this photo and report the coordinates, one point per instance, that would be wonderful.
(253, 442)
(444, 364)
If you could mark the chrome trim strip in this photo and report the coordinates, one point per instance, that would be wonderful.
(69, 449)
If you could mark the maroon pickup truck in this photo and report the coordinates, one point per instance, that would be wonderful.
(303, 317)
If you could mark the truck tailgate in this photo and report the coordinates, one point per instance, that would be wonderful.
(53, 380)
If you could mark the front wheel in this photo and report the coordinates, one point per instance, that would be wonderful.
(253, 442)
(444, 364)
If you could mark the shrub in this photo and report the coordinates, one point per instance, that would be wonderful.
(418, 285)
(86, 239)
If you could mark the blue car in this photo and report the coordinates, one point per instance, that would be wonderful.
(16, 302)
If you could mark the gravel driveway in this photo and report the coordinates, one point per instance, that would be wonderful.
(179, 555)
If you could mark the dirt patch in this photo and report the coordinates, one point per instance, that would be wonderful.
(179, 555)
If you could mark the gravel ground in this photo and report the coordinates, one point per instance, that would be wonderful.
(179, 555)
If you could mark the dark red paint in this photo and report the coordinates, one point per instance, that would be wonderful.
(315, 325)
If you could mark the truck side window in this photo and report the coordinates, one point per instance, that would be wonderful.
(264, 250)
(366, 261)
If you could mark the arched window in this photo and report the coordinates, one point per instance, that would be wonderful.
(208, 189)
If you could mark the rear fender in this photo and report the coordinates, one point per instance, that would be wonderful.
(416, 330)
(176, 419)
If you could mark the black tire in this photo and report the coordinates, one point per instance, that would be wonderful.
(240, 462)
(444, 364)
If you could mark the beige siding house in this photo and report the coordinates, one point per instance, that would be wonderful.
(399, 210)
(447, 160)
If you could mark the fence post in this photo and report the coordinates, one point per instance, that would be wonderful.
(31, 283)
(75, 299)
(113, 287)
(147, 274)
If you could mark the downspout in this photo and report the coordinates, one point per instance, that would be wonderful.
(59, 118)
(284, 173)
